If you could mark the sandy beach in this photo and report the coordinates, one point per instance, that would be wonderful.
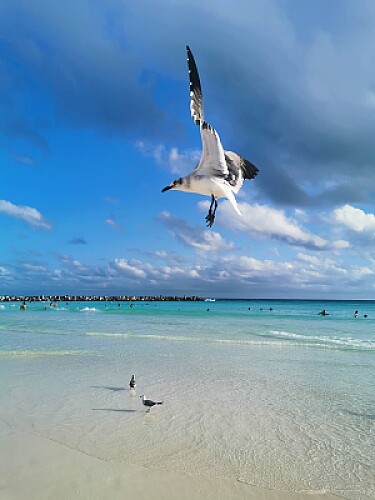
(33, 466)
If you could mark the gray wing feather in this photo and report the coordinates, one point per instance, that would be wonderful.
(239, 169)
(213, 159)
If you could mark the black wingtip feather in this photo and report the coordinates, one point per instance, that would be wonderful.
(195, 83)
(249, 170)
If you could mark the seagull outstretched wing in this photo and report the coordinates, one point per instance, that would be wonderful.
(213, 158)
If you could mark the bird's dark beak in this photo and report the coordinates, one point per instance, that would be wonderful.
(167, 188)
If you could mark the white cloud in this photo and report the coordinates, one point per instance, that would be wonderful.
(181, 162)
(30, 215)
(171, 271)
(170, 257)
(132, 270)
(69, 261)
(355, 219)
(111, 222)
(340, 244)
(245, 265)
(56, 274)
(361, 272)
(304, 275)
(208, 241)
(274, 251)
(266, 222)
(195, 237)
(301, 214)
(176, 161)
(4, 271)
(34, 268)
(316, 262)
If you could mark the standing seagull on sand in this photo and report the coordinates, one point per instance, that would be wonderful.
(149, 403)
(219, 174)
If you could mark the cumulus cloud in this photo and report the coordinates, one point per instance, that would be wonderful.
(355, 219)
(195, 237)
(150, 274)
(341, 244)
(266, 222)
(30, 215)
(304, 275)
(131, 268)
(68, 261)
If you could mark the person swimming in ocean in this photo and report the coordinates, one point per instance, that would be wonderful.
(323, 313)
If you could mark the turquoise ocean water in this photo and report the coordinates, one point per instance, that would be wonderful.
(264, 391)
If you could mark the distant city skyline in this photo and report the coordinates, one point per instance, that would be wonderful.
(95, 121)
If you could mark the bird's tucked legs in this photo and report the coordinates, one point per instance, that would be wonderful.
(210, 217)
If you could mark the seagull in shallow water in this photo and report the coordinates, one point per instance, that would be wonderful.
(149, 403)
(132, 383)
(219, 173)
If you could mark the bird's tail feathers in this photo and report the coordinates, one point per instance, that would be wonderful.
(159, 402)
(233, 201)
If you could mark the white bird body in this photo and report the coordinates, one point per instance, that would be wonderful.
(205, 185)
(149, 403)
(220, 173)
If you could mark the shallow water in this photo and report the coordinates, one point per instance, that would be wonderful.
(281, 398)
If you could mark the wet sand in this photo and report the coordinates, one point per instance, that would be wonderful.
(32, 466)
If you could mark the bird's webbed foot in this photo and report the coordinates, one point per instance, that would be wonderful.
(210, 217)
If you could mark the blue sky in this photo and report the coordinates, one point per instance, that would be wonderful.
(95, 121)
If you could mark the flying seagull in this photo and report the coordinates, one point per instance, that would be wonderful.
(219, 173)
(132, 382)
(149, 403)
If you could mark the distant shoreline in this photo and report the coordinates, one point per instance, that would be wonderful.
(98, 298)
(156, 298)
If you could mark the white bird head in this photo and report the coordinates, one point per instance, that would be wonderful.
(176, 184)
